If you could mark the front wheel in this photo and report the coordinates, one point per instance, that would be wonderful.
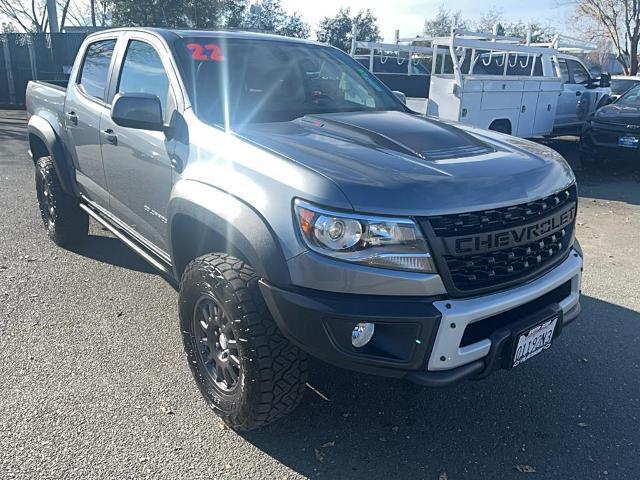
(247, 371)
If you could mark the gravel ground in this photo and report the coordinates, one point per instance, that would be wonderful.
(93, 382)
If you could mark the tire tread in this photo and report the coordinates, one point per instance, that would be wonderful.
(281, 369)
(71, 222)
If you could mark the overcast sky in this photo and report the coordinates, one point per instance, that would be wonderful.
(409, 15)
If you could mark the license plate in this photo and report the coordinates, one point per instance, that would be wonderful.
(534, 341)
(629, 142)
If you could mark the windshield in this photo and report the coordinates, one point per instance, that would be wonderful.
(619, 86)
(631, 98)
(261, 81)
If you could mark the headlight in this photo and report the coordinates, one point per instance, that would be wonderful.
(394, 243)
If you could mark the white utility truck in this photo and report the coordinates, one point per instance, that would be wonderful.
(506, 84)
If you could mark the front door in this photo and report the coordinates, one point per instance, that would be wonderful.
(84, 106)
(137, 162)
(566, 114)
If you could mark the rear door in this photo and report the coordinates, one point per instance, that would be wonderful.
(84, 105)
(138, 162)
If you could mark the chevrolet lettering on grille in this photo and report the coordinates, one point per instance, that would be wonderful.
(511, 237)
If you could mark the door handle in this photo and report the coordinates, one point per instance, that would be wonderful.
(72, 118)
(110, 137)
(578, 94)
(176, 164)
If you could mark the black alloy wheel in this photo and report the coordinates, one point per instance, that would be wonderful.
(217, 345)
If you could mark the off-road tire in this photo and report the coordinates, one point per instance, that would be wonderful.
(273, 371)
(66, 223)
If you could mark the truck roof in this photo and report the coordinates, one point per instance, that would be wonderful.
(172, 34)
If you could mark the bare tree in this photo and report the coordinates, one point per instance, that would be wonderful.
(618, 20)
(31, 15)
(440, 24)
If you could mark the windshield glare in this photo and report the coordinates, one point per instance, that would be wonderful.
(259, 81)
(631, 98)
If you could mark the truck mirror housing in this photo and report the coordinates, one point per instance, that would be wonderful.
(138, 110)
(605, 80)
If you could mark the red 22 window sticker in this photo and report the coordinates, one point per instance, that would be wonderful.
(210, 51)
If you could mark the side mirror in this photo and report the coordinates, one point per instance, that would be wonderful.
(138, 110)
(605, 80)
(401, 96)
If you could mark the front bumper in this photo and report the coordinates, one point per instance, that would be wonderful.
(600, 140)
(433, 341)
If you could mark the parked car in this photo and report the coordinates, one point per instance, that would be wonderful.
(621, 84)
(613, 131)
(581, 95)
(303, 209)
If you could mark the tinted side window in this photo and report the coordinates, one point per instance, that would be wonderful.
(95, 68)
(143, 72)
(580, 73)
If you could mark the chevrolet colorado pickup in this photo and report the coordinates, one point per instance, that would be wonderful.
(302, 208)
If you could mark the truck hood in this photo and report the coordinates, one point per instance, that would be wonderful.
(405, 164)
(620, 114)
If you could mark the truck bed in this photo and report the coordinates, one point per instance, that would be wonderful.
(46, 99)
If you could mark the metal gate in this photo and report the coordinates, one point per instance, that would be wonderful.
(34, 56)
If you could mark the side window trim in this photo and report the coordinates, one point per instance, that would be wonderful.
(77, 81)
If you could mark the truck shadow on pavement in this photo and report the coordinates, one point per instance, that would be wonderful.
(548, 414)
(112, 251)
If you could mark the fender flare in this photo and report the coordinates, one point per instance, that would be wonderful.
(245, 232)
(42, 129)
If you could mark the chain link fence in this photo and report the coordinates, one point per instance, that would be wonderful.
(34, 56)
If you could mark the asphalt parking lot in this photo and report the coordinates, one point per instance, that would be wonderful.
(93, 382)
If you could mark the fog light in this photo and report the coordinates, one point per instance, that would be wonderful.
(362, 334)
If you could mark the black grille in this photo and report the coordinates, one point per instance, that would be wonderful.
(484, 271)
(603, 137)
(500, 218)
(489, 269)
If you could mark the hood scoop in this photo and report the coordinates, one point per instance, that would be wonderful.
(400, 132)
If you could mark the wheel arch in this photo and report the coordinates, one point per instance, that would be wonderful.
(43, 142)
(501, 125)
(207, 220)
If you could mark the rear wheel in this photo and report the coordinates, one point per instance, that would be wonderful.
(247, 371)
(66, 223)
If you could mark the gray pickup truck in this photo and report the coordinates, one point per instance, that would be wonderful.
(302, 208)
